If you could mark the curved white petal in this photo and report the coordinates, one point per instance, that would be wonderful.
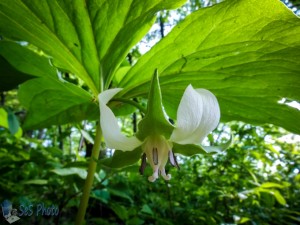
(189, 115)
(109, 125)
(210, 116)
(197, 115)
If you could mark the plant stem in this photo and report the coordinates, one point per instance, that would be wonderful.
(137, 105)
(90, 178)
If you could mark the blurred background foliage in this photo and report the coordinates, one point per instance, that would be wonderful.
(256, 181)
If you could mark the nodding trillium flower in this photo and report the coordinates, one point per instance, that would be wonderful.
(197, 115)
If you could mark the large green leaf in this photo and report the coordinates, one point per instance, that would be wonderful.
(54, 102)
(119, 25)
(48, 99)
(60, 28)
(9, 76)
(247, 52)
(26, 60)
(87, 38)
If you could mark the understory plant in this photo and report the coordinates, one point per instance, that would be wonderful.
(236, 61)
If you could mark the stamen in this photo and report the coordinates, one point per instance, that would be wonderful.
(164, 175)
(143, 164)
(154, 175)
(155, 156)
(173, 160)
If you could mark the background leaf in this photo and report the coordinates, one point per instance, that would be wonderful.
(10, 122)
(82, 173)
(36, 182)
(13, 123)
(279, 197)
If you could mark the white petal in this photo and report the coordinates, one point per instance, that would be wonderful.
(109, 125)
(198, 114)
(189, 115)
(210, 116)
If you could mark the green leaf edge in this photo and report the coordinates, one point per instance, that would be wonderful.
(193, 149)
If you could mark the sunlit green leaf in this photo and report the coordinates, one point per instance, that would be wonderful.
(3, 118)
(247, 52)
(37, 182)
(271, 185)
(87, 38)
(71, 171)
(53, 27)
(243, 220)
(48, 99)
(280, 199)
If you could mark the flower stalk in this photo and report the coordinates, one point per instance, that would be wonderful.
(90, 178)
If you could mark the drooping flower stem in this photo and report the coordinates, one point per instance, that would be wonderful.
(90, 178)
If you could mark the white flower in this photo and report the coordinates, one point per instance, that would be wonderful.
(197, 115)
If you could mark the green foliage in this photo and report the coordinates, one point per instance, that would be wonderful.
(65, 31)
(256, 181)
(10, 121)
(10, 77)
(50, 101)
(240, 51)
(122, 159)
(245, 51)
(26, 167)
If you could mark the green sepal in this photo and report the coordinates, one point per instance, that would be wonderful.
(155, 121)
(122, 158)
(191, 149)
